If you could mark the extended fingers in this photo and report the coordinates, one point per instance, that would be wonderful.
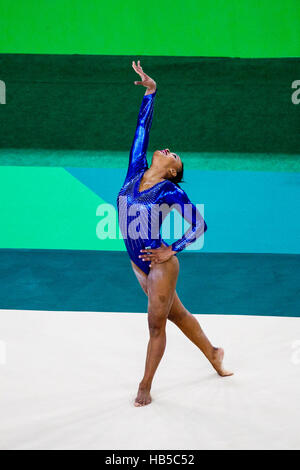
(137, 68)
(152, 256)
(148, 255)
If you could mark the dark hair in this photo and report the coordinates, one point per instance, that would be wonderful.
(178, 178)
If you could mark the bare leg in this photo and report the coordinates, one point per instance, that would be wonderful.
(192, 329)
(188, 324)
(161, 285)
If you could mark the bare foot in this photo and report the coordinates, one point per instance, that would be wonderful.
(217, 363)
(143, 397)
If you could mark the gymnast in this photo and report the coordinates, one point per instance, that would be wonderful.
(155, 263)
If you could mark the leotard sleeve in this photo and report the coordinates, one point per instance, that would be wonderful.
(177, 197)
(137, 156)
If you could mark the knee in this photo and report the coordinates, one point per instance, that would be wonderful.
(156, 331)
(156, 325)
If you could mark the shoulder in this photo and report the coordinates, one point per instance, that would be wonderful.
(172, 186)
(174, 189)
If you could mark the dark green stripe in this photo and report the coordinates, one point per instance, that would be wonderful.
(203, 104)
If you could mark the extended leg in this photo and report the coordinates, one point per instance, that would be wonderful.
(191, 328)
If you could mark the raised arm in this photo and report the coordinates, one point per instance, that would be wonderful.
(137, 157)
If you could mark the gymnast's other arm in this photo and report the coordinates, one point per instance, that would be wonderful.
(180, 201)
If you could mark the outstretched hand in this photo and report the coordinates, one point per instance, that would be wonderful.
(146, 81)
(158, 255)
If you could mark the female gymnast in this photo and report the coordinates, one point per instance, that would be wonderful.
(154, 263)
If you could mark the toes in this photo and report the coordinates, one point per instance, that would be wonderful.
(139, 402)
(226, 373)
(229, 374)
(142, 402)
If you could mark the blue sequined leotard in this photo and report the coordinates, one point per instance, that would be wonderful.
(140, 214)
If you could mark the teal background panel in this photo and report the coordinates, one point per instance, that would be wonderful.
(246, 212)
(209, 283)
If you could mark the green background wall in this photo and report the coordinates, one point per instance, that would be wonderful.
(224, 70)
(232, 28)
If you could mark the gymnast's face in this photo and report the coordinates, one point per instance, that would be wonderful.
(169, 161)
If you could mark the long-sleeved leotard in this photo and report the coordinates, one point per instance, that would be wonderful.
(141, 213)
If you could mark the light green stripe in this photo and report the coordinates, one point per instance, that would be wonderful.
(232, 28)
(50, 209)
(109, 159)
